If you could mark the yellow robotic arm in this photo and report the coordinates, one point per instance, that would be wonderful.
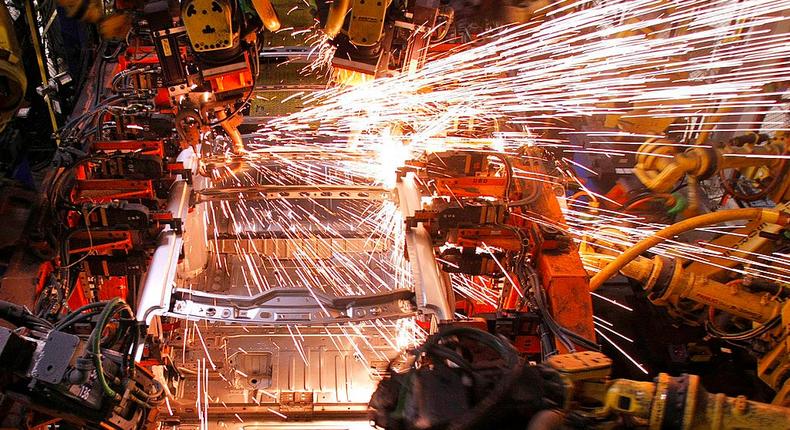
(682, 403)
(12, 73)
(667, 403)
(667, 282)
(659, 167)
(767, 215)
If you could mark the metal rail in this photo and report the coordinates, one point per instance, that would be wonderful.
(277, 192)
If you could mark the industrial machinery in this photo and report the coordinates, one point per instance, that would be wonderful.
(91, 382)
(487, 384)
(482, 221)
(249, 214)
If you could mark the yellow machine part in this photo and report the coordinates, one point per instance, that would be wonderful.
(83, 10)
(682, 402)
(349, 77)
(367, 21)
(668, 402)
(115, 26)
(774, 367)
(738, 246)
(336, 17)
(267, 14)
(208, 24)
(660, 168)
(678, 282)
(685, 284)
(12, 72)
(770, 216)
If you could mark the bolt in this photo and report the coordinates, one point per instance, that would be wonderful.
(740, 405)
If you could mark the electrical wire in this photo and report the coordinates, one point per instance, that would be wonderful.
(730, 184)
(21, 316)
(745, 335)
(533, 185)
(538, 293)
(123, 76)
(80, 314)
(508, 174)
(528, 277)
(114, 306)
(72, 127)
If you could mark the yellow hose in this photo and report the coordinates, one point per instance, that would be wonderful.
(770, 216)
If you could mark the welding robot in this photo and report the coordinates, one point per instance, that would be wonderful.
(468, 214)
(118, 207)
(211, 82)
(746, 311)
(119, 210)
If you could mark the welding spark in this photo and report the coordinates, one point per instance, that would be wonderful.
(278, 413)
(625, 354)
(205, 348)
(692, 66)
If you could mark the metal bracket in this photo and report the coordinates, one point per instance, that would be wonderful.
(291, 306)
(55, 357)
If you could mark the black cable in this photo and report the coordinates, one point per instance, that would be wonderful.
(508, 174)
(528, 278)
(115, 306)
(114, 54)
(129, 349)
(684, 183)
(743, 335)
(495, 343)
(80, 314)
(75, 318)
(566, 336)
(72, 125)
(547, 348)
(20, 316)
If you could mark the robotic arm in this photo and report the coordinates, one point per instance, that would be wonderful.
(13, 81)
(659, 167)
(666, 282)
